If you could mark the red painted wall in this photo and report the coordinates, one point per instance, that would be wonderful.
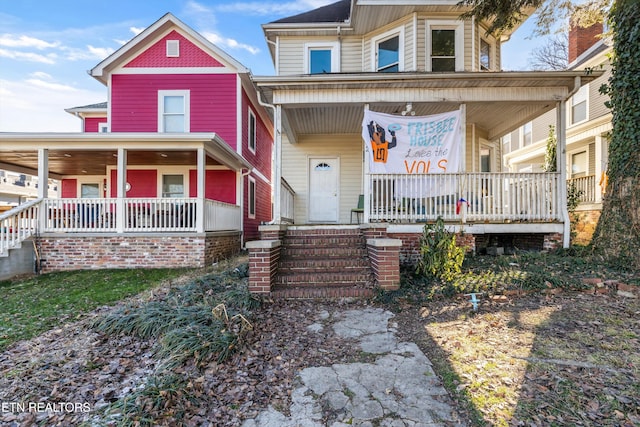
(261, 160)
(144, 183)
(69, 188)
(220, 185)
(91, 123)
(190, 55)
(134, 102)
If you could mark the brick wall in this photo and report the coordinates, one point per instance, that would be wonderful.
(81, 252)
(264, 256)
(410, 250)
(583, 225)
(581, 39)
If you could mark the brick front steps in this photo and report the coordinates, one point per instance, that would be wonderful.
(323, 263)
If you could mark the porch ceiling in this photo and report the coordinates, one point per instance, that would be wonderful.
(79, 162)
(92, 154)
(496, 102)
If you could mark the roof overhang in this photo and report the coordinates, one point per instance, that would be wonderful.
(91, 153)
(495, 101)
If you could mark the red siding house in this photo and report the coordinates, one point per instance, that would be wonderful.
(174, 170)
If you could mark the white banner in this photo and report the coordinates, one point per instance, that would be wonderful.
(412, 145)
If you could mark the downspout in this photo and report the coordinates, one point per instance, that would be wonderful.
(561, 160)
(276, 174)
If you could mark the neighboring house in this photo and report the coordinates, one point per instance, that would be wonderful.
(17, 188)
(587, 128)
(174, 170)
(346, 63)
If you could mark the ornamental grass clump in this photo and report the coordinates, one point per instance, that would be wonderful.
(203, 321)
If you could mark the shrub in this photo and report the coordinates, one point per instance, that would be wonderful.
(440, 256)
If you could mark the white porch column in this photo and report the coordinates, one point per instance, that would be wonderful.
(366, 185)
(561, 164)
(121, 190)
(200, 179)
(463, 139)
(43, 184)
(277, 173)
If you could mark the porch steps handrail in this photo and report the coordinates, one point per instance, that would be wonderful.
(18, 224)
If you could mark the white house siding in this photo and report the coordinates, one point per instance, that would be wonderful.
(295, 164)
(540, 126)
(596, 99)
(351, 56)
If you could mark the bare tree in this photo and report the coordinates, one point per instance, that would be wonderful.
(551, 56)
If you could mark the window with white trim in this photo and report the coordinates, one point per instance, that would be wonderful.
(506, 143)
(445, 46)
(579, 164)
(388, 49)
(526, 134)
(173, 48)
(103, 127)
(321, 58)
(172, 186)
(485, 55)
(579, 105)
(173, 111)
(252, 198)
(252, 132)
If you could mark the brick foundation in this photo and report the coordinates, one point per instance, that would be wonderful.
(384, 255)
(264, 256)
(85, 252)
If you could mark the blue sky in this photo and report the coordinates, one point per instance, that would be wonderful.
(47, 47)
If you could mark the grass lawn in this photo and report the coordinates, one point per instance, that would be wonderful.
(31, 306)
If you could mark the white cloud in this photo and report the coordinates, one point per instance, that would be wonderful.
(50, 85)
(28, 56)
(225, 42)
(273, 8)
(10, 40)
(38, 106)
(41, 75)
(136, 30)
(91, 52)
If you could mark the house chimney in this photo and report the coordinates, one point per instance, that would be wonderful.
(581, 39)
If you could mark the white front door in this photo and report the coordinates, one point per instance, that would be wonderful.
(323, 189)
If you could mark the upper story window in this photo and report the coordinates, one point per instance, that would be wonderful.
(579, 105)
(322, 58)
(252, 132)
(485, 55)
(173, 111)
(506, 143)
(103, 127)
(527, 134)
(445, 41)
(389, 52)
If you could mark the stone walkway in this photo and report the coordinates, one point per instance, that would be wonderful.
(393, 386)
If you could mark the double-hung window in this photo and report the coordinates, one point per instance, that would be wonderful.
(322, 58)
(579, 105)
(252, 132)
(527, 130)
(252, 198)
(389, 52)
(173, 111)
(485, 55)
(445, 43)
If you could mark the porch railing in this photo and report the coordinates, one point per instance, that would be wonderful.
(586, 187)
(140, 215)
(287, 198)
(491, 197)
(18, 224)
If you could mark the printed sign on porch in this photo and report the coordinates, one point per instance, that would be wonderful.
(412, 145)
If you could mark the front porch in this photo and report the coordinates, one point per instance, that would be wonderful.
(122, 232)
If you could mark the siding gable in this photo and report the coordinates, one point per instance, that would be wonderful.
(190, 55)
